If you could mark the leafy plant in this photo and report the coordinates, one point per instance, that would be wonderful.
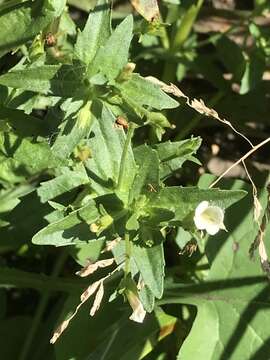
(85, 166)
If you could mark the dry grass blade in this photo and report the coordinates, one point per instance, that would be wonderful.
(84, 296)
(98, 299)
(89, 291)
(91, 268)
(257, 205)
(244, 157)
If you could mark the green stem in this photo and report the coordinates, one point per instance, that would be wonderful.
(40, 309)
(40, 282)
(124, 156)
(128, 253)
(180, 37)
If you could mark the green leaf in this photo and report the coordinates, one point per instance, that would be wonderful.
(253, 73)
(95, 33)
(145, 93)
(233, 302)
(70, 230)
(113, 56)
(22, 124)
(147, 298)
(59, 80)
(22, 22)
(26, 218)
(147, 177)
(82, 253)
(9, 198)
(184, 200)
(232, 57)
(172, 155)
(111, 322)
(69, 180)
(103, 166)
(21, 158)
(150, 259)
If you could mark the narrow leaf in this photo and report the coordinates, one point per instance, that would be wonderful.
(150, 260)
(95, 33)
(146, 93)
(69, 180)
(64, 231)
(113, 56)
(59, 80)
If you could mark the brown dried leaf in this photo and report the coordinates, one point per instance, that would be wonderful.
(89, 291)
(170, 89)
(147, 8)
(98, 299)
(174, 90)
(111, 244)
(91, 268)
(201, 108)
(57, 333)
(84, 296)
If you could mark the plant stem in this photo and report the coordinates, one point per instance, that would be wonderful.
(40, 282)
(124, 156)
(128, 253)
(41, 308)
(180, 37)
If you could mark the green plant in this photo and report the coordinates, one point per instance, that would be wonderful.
(75, 174)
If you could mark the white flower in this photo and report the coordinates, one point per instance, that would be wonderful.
(208, 217)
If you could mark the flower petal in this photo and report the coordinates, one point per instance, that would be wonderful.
(201, 208)
(199, 222)
(212, 229)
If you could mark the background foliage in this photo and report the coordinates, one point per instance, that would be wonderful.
(108, 143)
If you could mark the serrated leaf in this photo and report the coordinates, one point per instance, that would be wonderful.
(172, 155)
(59, 80)
(184, 200)
(147, 177)
(70, 230)
(69, 180)
(113, 56)
(145, 93)
(104, 165)
(95, 33)
(21, 22)
(150, 260)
